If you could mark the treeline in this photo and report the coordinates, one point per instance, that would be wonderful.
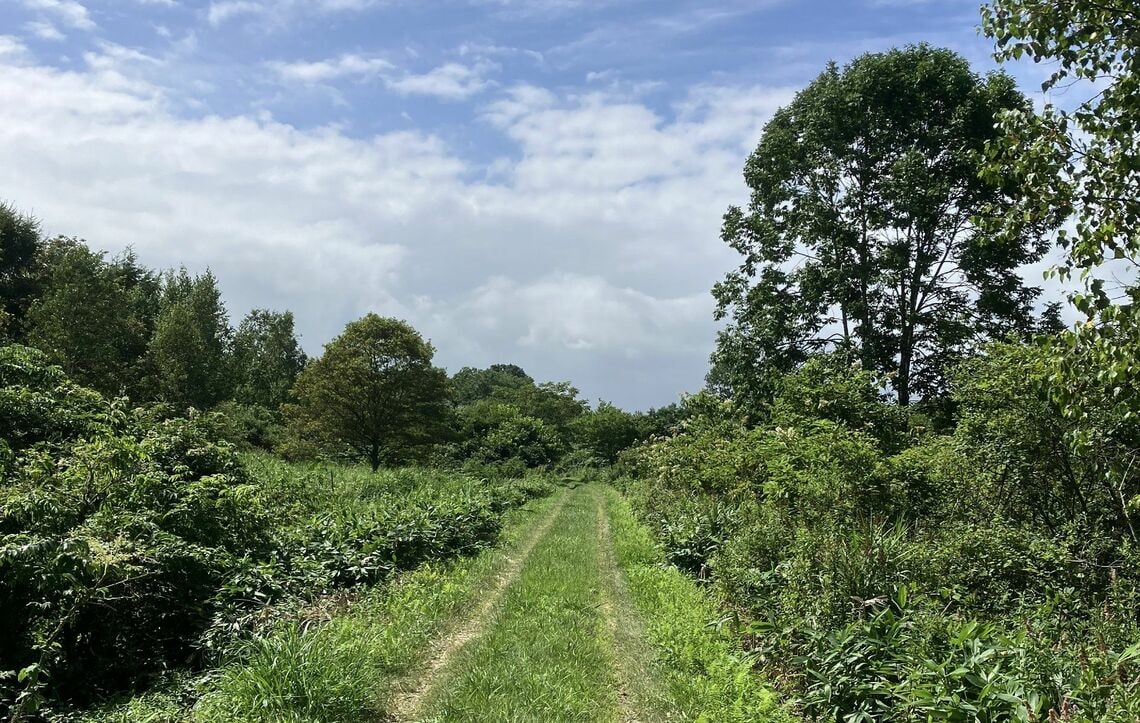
(917, 490)
(165, 338)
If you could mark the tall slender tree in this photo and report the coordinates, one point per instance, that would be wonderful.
(859, 235)
(19, 245)
(92, 316)
(267, 358)
(190, 350)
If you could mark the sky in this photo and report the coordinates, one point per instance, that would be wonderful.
(537, 182)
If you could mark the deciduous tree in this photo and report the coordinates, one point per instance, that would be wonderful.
(859, 233)
(375, 392)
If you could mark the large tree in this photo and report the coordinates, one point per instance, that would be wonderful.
(19, 246)
(1081, 163)
(859, 233)
(94, 317)
(375, 392)
(190, 350)
(267, 358)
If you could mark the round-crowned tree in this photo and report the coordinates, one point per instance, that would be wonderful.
(860, 234)
(374, 393)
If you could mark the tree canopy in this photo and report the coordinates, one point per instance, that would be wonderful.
(859, 233)
(375, 392)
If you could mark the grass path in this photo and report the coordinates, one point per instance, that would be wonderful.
(585, 623)
(414, 688)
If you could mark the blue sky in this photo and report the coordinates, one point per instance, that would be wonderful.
(527, 181)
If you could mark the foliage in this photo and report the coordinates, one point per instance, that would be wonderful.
(858, 235)
(499, 382)
(606, 431)
(1082, 165)
(19, 242)
(375, 392)
(132, 542)
(494, 432)
(94, 317)
(266, 358)
(985, 574)
(190, 347)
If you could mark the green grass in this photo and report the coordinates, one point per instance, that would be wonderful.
(343, 670)
(586, 617)
(704, 673)
(339, 669)
(545, 656)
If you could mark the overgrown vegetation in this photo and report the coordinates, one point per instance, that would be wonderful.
(971, 556)
(914, 494)
(131, 542)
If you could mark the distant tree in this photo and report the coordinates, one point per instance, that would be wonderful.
(19, 245)
(500, 382)
(661, 421)
(555, 403)
(190, 350)
(267, 358)
(375, 392)
(859, 233)
(606, 431)
(490, 431)
(89, 316)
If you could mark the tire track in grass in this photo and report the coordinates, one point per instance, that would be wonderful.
(407, 705)
(639, 699)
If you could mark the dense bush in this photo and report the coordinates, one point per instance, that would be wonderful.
(132, 542)
(891, 573)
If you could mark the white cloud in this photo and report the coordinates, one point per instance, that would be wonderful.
(593, 314)
(221, 11)
(70, 12)
(44, 30)
(451, 81)
(348, 65)
(12, 49)
(588, 258)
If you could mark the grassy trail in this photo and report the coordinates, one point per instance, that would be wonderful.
(582, 623)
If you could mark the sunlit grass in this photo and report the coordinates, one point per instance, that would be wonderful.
(545, 655)
(704, 672)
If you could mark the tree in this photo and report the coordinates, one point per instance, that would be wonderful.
(19, 245)
(92, 316)
(491, 431)
(499, 381)
(267, 358)
(606, 431)
(858, 236)
(1083, 165)
(555, 403)
(375, 392)
(190, 350)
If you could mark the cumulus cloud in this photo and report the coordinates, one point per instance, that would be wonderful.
(450, 81)
(588, 256)
(320, 71)
(278, 11)
(70, 12)
(44, 30)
